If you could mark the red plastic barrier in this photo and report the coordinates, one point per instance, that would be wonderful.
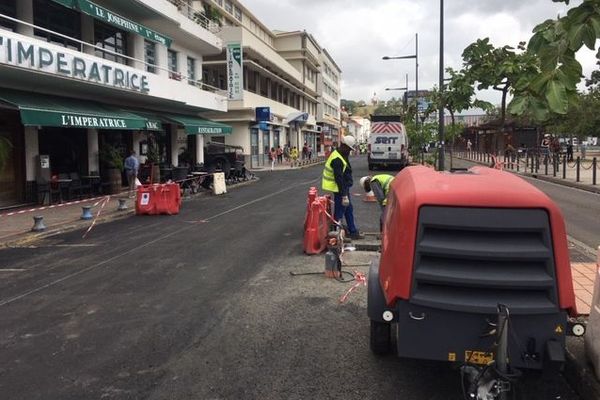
(312, 195)
(158, 199)
(317, 226)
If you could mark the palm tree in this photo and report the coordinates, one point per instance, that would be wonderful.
(5, 149)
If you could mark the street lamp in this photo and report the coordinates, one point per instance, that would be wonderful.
(416, 57)
(441, 83)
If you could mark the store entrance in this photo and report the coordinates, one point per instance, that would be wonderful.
(12, 170)
(67, 149)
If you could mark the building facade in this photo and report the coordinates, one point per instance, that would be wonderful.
(281, 72)
(328, 113)
(80, 80)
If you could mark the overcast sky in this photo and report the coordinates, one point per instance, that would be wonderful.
(357, 33)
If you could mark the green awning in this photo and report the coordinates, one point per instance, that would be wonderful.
(44, 110)
(105, 15)
(199, 126)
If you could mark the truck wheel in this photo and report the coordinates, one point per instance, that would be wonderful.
(381, 337)
(371, 167)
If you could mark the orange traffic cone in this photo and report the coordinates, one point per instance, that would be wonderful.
(370, 197)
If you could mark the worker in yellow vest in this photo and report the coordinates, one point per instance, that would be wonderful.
(380, 185)
(337, 178)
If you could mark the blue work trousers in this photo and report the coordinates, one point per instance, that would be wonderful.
(346, 212)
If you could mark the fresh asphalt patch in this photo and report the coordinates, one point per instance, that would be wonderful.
(166, 309)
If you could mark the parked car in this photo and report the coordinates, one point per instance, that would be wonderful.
(226, 158)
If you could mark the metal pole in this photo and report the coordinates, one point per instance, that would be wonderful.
(417, 80)
(564, 166)
(441, 85)
(594, 163)
(578, 165)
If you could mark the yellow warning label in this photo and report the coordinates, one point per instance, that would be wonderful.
(478, 357)
(451, 356)
(559, 329)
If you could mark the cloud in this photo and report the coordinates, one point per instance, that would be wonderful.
(357, 34)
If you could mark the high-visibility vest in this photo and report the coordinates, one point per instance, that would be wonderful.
(328, 182)
(385, 181)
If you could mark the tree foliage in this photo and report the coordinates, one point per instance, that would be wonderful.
(349, 105)
(555, 43)
(500, 68)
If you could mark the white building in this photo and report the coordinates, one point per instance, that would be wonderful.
(362, 128)
(78, 76)
(280, 72)
(328, 113)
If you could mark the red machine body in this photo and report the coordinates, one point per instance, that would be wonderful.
(479, 187)
(158, 199)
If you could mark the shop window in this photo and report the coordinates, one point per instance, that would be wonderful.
(191, 71)
(150, 56)
(59, 19)
(9, 8)
(112, 39)
(173, 68)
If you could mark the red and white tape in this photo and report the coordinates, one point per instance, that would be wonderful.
(361, 280)
(104, 202)
(70, 203)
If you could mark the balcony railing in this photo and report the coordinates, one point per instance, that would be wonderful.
(175, 75)
(185, 8)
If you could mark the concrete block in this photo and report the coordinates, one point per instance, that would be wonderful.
(219, 186)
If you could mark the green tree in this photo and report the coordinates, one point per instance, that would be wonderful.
(555, 42)
(500, 68)
(349, 105)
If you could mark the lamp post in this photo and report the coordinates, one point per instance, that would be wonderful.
(441, 83)
(416, 57)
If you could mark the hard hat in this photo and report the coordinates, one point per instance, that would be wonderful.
(364, 180)
(349, 141)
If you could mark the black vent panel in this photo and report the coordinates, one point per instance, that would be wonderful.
(471, 259)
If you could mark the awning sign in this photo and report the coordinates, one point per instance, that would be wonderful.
(109, 17)
(235, 75)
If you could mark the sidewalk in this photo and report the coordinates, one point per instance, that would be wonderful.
(15, 225)
(286, 165)
(568, 177)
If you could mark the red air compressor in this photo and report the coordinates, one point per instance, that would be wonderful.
(468, 257)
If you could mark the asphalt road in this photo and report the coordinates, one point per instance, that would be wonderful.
(202, 306)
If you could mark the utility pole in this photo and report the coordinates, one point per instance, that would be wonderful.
(441, 83)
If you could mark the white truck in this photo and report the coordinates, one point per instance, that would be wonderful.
(388, 142)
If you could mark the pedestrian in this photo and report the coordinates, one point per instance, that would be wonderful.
(309, 151)
(304, 151)
(286, 152)
(272, 157)
(294, 155)
(380, 186)
(279, 155)
(132, 166)
(569, 151)
(337, 178)
(583, 149)
(469, 145)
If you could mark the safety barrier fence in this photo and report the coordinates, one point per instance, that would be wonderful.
(307, 161)
(555, 165)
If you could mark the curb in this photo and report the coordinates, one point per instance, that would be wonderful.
(25, 238)
(578, 372)
(550, 179)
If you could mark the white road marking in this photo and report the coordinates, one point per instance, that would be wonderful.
(144, 245)
(11, 269)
